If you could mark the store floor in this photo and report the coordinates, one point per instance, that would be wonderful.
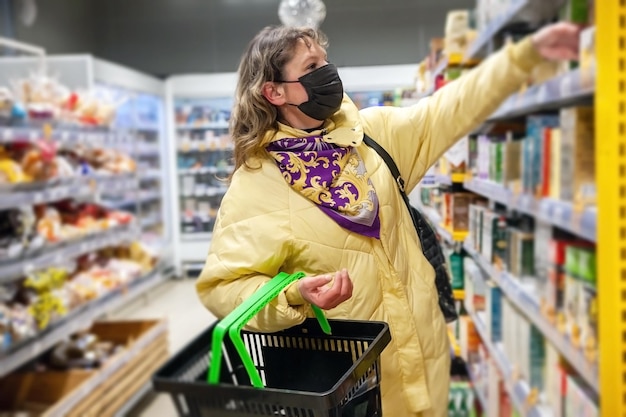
(177, 301)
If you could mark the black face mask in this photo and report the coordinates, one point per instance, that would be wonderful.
(325, 92)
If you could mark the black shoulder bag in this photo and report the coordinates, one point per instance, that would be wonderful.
(430, 244)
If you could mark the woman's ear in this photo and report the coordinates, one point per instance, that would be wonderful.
(273, 93)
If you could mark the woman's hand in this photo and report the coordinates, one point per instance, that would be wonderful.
(325, 293)
(558, 41)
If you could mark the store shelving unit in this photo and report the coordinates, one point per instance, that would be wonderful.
(200, 155)
(138, 130)
(603, 88)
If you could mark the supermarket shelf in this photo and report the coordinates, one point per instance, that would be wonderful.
(561, 214)
(206, 170)
(527, 303)
(479, 394)
(446, 234)
(150, 175)
(15, 269)
(64, 135)
(518, 390)
(146, 151)
(151, 221)
(479, 46)
(143, 198)
(192, 237)
(200, 146)
(110, 368)
(208, 192)
(78, 320)
(205, 126)
(76, 188)
(574, 87)
(456, 178)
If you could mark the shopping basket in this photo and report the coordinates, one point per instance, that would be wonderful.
(299, 372)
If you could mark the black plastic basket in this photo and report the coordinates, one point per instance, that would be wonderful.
(306, 373)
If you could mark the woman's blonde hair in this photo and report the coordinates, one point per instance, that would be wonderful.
(253, 116)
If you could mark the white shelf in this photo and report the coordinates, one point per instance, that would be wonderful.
(207, 192)
(205, 126)
(150, 175)
(557, 213)
(206, 170)
(568, 89)
(151, 221)
(527, 303)
(479, 394)
(527, 10)
(65, 135)
(76, 188)
(78, 320)
(518, 390)
(12, 270)
(193, 237)
(493, 28)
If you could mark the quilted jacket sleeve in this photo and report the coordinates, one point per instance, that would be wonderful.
(250, 244)
(417, 136)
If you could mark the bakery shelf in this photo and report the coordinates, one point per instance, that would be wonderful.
(562, 214)
(75, 188)
(9, 271)
(64, 134)
(518, 390)
(573, 87)
(78, 320)
(527, 303)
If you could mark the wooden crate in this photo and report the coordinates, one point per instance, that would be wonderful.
(94, 393)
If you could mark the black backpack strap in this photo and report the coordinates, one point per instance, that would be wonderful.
(394, 171)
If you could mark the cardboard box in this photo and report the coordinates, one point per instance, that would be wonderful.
(100, 392)
(577, 154)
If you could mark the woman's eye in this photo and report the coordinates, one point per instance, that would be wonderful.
(312, 66)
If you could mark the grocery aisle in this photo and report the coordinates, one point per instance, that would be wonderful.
(176, 301)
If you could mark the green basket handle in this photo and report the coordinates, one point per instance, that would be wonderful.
(237, 319)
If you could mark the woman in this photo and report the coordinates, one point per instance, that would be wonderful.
(307, 195)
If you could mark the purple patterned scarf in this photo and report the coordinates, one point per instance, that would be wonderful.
(333, 177)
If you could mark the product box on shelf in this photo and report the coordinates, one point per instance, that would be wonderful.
(494, 239)
(520, 248)
(553, 378)
(577, 155)
(577, 399)
(555, 164)
(532, 149)
(537, 359)
(493, 310)
(456, 211)
(511, 163)
(97, 392)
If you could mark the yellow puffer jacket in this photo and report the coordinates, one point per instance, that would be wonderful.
(265, 227)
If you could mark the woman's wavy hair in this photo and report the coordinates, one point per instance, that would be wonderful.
(265, 58)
